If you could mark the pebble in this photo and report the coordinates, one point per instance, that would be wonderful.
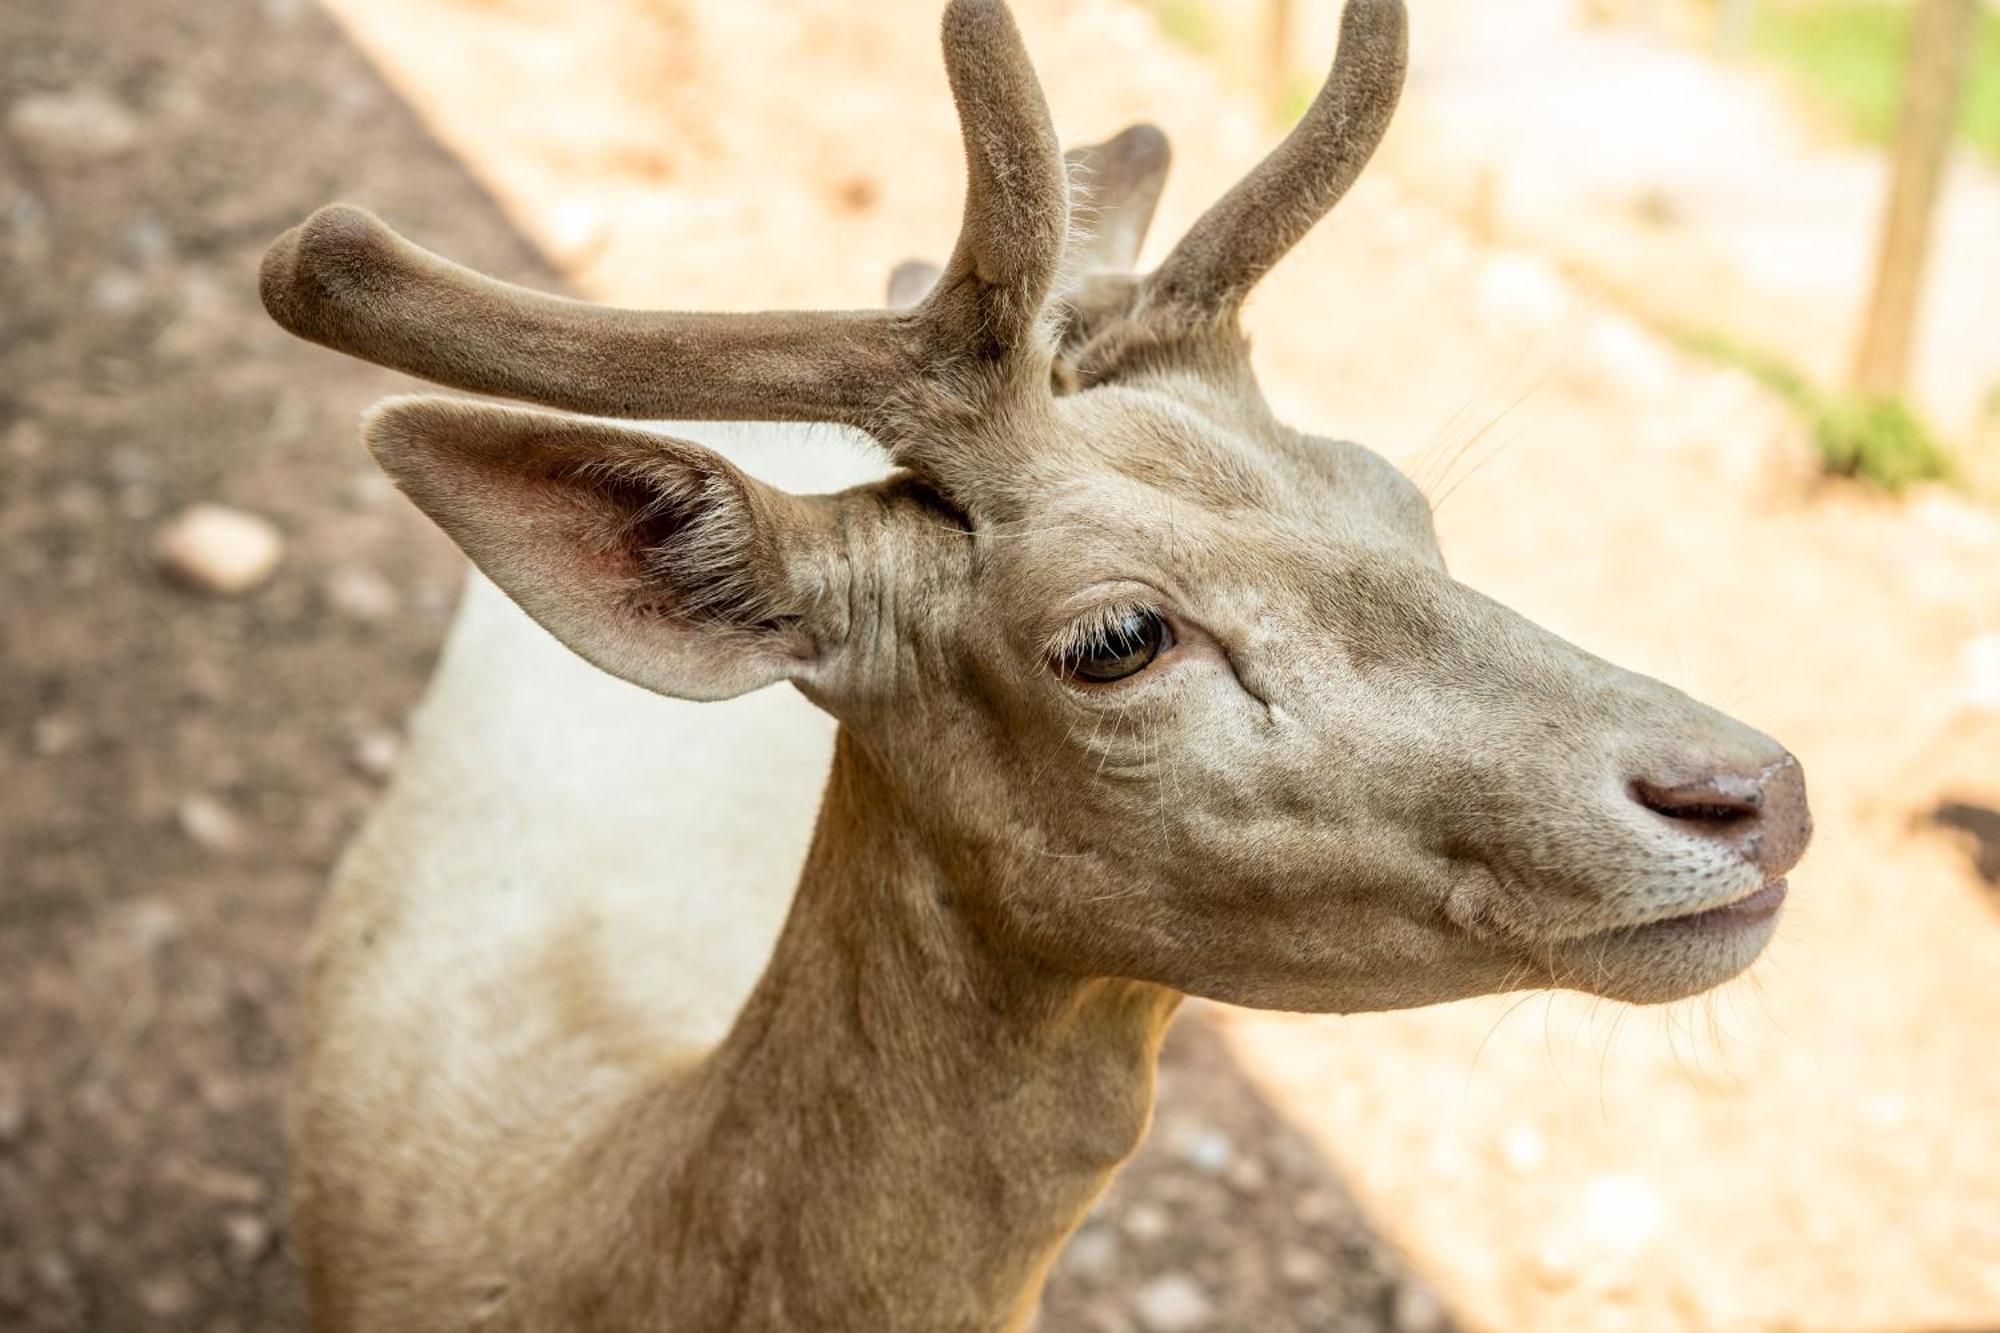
(54, 735)
(75, 127)
(248, 1236)
(27, 439)
(209, 823)
(1206, 1150)
(1092, 1252)
(166, 1295)
(1303, 1267)
(362, 595)
(1417, 1309)
(1143, 1221)
(375, 753)
(1174, 1303)
(218, 550)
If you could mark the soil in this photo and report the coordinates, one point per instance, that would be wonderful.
(177, 772)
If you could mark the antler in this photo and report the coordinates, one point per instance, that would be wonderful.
(346, 280)
(1235, 243)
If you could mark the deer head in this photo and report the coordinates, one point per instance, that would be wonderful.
(1175, 691)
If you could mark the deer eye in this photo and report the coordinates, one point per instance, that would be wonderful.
(1114, 644)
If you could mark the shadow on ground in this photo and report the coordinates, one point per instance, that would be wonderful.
(180, 771)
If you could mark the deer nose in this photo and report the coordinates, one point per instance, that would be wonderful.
(1761, 813)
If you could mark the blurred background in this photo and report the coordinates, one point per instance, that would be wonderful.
(1686, 314)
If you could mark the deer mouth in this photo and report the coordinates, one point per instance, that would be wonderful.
(1752, 909)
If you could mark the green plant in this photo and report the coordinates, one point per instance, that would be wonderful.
(1850, 54)
(1878, 440)
(1188, 23)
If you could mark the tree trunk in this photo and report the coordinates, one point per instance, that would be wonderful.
(1941, 40)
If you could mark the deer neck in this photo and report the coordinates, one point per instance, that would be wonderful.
(907, 1120)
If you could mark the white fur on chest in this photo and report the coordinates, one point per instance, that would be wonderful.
(542, 805)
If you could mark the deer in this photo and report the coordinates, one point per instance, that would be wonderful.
(1109, 689)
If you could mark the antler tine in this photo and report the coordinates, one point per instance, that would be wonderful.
(1010, 244)
(1236, 242)
(347, 281)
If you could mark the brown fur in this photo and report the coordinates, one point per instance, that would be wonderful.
(1351, 783)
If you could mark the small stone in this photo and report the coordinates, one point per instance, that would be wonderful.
(167, 1295)
(27, 439)
(1092, 1252)
(1174, 1303)
(363, 595)
(209, 823)
(1249, 1176)
(1144, 1221)
(54, 735)
(375, 753)
(1416, 1309)
(75, 127)
(219, 550)
(151, 925)
(1304, 1268)
(55, 1272)
(248, 1237)
(115, 291)
(1314, 1207)
(1206, 1150)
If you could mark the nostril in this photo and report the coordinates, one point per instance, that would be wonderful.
(1719, 803)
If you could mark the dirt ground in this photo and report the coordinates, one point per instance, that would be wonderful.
(176, 772)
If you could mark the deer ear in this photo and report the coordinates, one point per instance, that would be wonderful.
(649, 556)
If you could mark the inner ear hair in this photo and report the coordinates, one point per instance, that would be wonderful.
(682, 534)
(582, 521)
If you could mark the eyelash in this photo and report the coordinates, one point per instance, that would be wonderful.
(1103, 631)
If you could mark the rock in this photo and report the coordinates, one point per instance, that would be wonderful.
(1092, 1252)
(1303, 1267)
(1144, 1221)
(248, 1237)
(55, 1272)
(363, 595)
(1249, 1176)
(166, 1295)
(27, 439)
(115, 291)
(219, 550)
(75, 127)
(150, 925)
(1206, 1149)
(375, 753)
(1417, 1309)
(1174, 1303)
(54, 735)
(209, 823)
